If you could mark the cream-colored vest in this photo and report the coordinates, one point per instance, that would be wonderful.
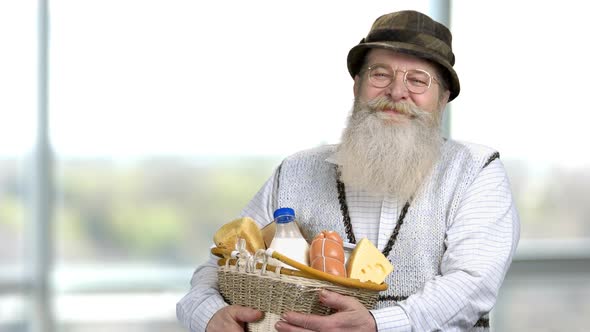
(307, 183)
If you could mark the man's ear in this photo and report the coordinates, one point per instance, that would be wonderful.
(444, 100)
(357, 86)
(446, 96)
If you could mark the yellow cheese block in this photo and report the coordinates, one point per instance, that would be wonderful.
(367, 263)
(244, 228)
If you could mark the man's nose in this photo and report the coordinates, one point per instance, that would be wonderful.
(397, 88)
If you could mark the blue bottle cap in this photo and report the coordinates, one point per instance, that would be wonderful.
(284, 215)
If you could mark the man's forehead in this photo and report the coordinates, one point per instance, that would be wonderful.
(385, 56)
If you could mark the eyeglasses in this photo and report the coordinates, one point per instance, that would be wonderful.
(416, 80)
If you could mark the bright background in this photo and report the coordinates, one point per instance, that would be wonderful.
(162, 119)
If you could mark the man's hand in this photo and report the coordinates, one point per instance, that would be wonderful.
(233, 318)
(351, 315)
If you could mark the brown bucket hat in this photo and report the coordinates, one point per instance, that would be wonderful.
(413, 33)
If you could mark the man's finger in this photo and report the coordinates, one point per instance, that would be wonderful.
(247, 315)
(306, 321)
(337, 301)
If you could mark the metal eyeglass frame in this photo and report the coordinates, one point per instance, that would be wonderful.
(394, 73)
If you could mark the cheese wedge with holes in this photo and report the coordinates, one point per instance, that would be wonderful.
(367, 263)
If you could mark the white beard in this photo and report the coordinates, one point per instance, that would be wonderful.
(385, 157)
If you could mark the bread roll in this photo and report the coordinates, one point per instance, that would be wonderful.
(327, 254)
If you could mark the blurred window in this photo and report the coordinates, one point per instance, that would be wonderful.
(513, 100)
(154, 149)
(523, 92)
(18, 105)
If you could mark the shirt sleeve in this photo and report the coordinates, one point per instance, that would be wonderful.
(480, 245)
(392, 319)
(197, 307)
(203, 300)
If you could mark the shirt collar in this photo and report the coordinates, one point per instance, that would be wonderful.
(333, 159)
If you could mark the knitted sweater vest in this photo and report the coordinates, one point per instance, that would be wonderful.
(307, 183)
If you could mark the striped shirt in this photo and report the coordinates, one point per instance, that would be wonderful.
(374, 217)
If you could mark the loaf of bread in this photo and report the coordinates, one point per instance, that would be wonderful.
(327, 254)
(245, 228)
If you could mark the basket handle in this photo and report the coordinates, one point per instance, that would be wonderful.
(347, 282)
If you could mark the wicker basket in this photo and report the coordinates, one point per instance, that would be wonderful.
(255, 282)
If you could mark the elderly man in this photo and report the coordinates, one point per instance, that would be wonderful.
(440, 210)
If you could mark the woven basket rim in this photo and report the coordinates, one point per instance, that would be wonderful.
(304, 271)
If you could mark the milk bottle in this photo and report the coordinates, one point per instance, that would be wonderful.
(288, 240)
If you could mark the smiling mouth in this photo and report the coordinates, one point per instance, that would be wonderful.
(393, 114)
(391, 110)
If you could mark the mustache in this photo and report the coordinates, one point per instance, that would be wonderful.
(381, 103)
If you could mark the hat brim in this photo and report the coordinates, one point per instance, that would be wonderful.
(357, 54)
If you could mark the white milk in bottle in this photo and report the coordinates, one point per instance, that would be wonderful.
(288, 240)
